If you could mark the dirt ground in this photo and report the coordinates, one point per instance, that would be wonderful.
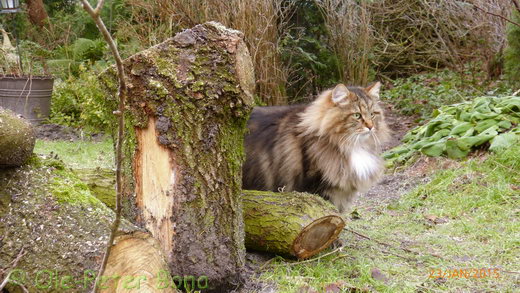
(60, 132)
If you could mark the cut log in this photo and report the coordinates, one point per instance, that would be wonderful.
(16, 139)
(102, 183)
(187, 107)
(49, 218)
(289, 223)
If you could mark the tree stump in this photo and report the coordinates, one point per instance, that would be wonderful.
(189, 99)
(49, 219)
(289, 223)
(16, 139)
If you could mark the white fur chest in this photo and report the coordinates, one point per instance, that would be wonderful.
(364, 164)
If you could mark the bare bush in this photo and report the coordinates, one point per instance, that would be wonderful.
(399, 37)
(350, 36)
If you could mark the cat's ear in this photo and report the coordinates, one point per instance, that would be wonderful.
(340, 94)
(373, 90)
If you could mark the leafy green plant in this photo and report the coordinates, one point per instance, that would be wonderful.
(421, 94)
(458, 129)
(81, 102)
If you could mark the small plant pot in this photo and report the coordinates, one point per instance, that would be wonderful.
(29, 96)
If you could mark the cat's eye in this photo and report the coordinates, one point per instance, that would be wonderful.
(357, 115)
(375, 113)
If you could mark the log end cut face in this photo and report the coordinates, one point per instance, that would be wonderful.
(317, 236)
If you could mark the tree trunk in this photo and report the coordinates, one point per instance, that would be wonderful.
(188, 103)
(50, 219)
(289, 223)
(37, 13)
(16, 139)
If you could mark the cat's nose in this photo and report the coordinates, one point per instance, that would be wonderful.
(369, 125)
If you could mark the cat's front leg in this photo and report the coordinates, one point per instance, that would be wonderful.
(341, 198)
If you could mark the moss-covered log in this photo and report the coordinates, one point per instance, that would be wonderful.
(49, 217)
(16, 139)
(289, 223)
(101, 183)
(188, 103)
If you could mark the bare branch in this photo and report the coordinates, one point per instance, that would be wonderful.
(516, 3)
(498, 15)
(95, 14)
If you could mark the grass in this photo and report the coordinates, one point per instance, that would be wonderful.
(464, 218)
(79, 154)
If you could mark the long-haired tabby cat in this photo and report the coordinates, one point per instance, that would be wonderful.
(329, 147)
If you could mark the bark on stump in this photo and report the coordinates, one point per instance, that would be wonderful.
(46, 211)
(289, 223)
(16, 139)
(188, 103)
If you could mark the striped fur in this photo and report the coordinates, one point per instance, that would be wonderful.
(329, 147)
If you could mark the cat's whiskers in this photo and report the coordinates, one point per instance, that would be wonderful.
(376, 141)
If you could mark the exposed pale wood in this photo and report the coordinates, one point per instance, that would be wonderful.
(155, 175)
(138, 259)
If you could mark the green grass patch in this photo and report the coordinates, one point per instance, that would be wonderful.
(464, 218)
(79, 154)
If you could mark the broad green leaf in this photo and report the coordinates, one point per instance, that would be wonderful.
(454, 151)
(504, 141)
(504, 124)
(434, 149)
(461, 127)
(485, 124)
(466, 143)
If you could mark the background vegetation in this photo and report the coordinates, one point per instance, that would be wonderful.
(299, 47)
(430, 54)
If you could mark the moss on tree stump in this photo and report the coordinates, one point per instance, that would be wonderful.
(188, 102)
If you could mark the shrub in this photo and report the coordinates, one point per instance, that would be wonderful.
(81, 102)
(512, 53)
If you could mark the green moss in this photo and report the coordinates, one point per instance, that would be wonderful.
(67, 188)
(159, 89)
(198, 85)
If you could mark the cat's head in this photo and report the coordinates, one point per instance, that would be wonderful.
(348, 116)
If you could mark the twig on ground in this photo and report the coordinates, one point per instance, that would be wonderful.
(266, 264)
(14, 263)
(95, 14)
(391, 246)
(516, 93)
(316, 258)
